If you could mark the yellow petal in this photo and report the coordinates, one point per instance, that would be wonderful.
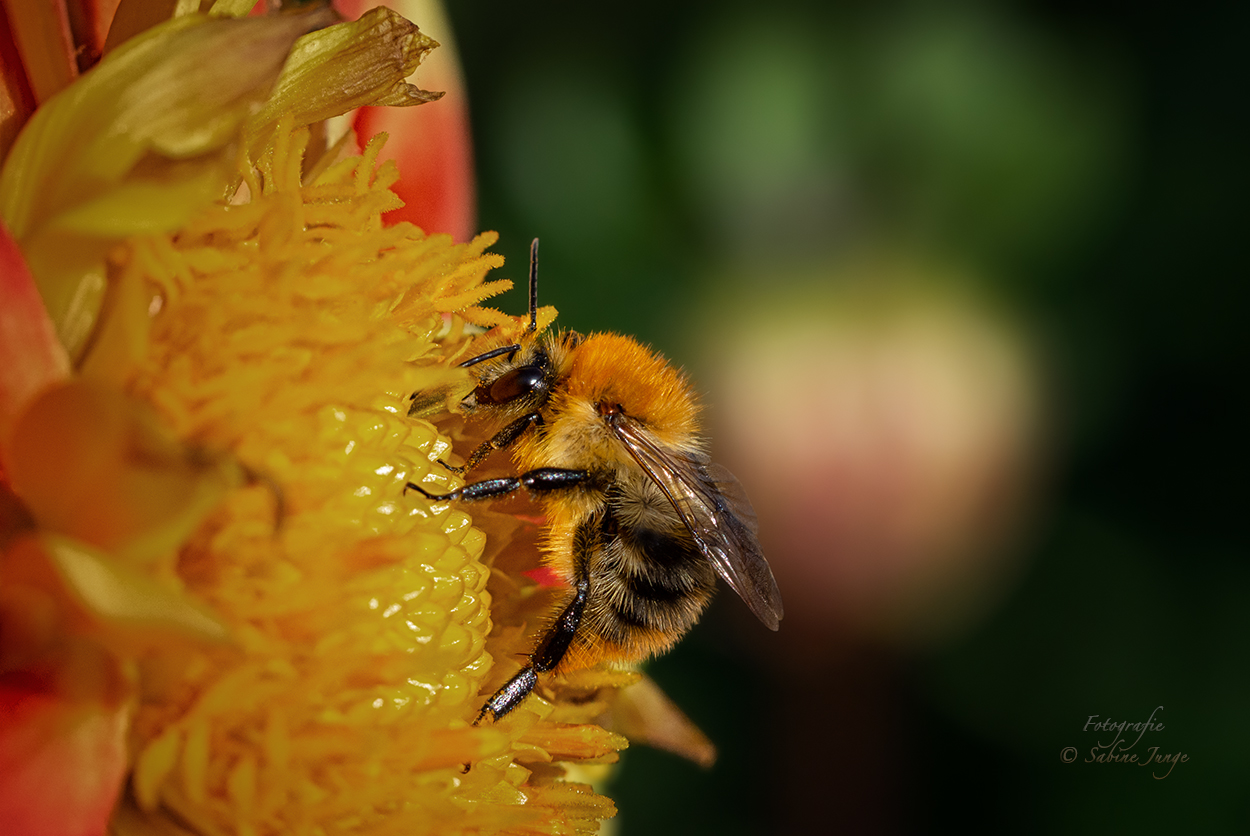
(91, 463)
(124, 609)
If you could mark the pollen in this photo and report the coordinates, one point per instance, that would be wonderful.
(287, 332)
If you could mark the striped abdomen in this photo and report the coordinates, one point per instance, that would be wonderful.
(648, 582)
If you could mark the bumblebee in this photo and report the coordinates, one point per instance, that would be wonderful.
(640, 522)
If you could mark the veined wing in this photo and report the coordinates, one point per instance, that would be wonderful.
(712, 504)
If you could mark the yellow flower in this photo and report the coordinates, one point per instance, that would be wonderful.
(210, 514)
(292, 331)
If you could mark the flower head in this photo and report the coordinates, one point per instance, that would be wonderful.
(220, 612)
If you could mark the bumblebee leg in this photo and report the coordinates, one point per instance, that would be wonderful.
(510, 695)
(498, 441)
(555, 641)
(540, 480)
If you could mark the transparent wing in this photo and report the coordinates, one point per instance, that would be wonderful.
(712, 504)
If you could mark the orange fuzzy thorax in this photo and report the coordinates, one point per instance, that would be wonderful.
(611, 369)
(617, 369)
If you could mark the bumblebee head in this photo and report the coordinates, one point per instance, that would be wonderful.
(519, 377)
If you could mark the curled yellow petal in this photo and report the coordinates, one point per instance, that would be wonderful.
(344, 67)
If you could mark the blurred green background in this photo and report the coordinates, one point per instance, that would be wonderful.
(780, 197)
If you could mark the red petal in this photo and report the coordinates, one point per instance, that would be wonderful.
(431, 142)
(62, 761)
(545, 576)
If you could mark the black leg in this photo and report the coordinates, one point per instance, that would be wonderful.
(540, 481)
(498, 441)
(555, 642)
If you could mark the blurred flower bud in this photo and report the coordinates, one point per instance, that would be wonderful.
(888, 439)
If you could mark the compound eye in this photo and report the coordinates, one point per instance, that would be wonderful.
(517, 383)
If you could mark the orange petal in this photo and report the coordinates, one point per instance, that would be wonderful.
(17, 101)
(645, 714)
(431, 144)
(130, 17)
(90, 20)
(31, 357)
(41, 32)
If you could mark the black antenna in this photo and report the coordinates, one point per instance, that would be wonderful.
(534, 286)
